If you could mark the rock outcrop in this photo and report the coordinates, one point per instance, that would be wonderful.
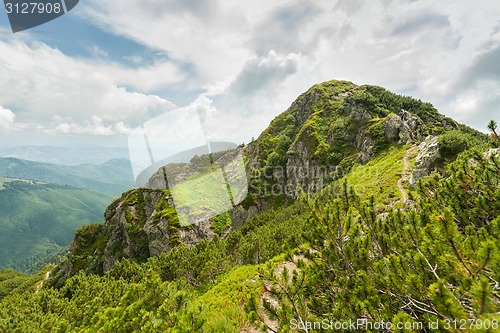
(366, 146)
(404, 127)
(336, 124)
(355, 110)
(427, 159)
(493, 151)
(143, 223)
(140, 224)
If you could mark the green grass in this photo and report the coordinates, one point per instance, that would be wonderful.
(379, 176)
(376, 178)
(224, 302)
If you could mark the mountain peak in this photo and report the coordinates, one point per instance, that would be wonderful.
(334, 125)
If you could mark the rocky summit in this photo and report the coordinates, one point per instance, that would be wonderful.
(336, 124)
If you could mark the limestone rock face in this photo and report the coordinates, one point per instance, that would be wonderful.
(140, 224)
(305, 106)
(158, 180)
(137, 229)
(493, 151)
(427, 159)
(355, 110)
(365, 144)
(404, 128)
(301, 170)
(239, 215)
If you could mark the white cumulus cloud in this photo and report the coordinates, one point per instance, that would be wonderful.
(44, 84)
(7, 118)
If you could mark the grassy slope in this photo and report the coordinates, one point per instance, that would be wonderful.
(225, 300)
(377, 178)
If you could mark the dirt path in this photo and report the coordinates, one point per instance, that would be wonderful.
(40, 285)
(405, 173)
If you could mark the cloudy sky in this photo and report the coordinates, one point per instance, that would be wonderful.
(97, 72)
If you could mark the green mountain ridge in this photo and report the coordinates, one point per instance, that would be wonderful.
(379, 208)
(70, 156)
(325, 133)
(112, 177)
(141, 224)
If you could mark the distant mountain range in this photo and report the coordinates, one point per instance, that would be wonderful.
(111, 178)
(64, 155)
(42, 204)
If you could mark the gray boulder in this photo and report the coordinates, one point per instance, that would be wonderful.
(404, 127)
(365, 144)
(427, 159)
(355, 110)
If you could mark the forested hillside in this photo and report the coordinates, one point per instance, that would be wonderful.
(41, 206)
(38, 220)
(367, 211)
